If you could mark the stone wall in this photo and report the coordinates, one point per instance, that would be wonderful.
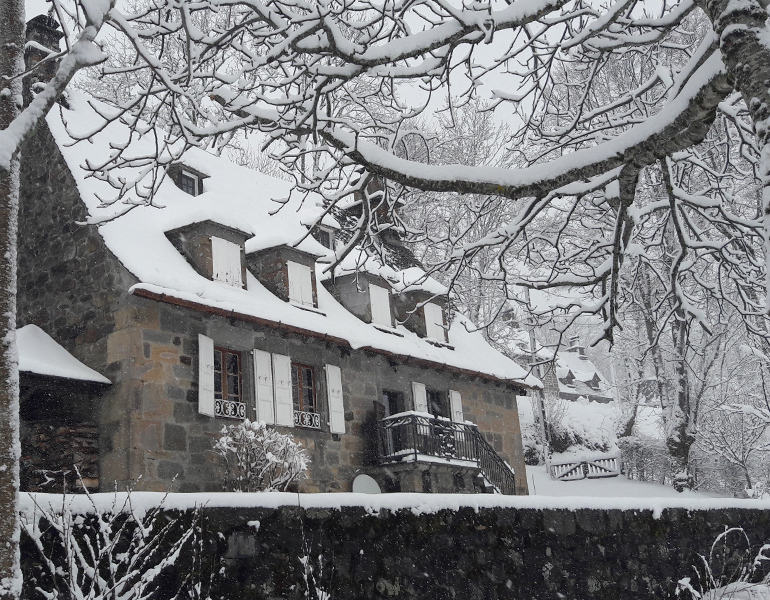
(471, 553)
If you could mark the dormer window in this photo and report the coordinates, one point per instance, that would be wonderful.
(190, 183)
(326, 237)
(187, 179)
(434, 322)
(380, 304)
(300, 284)
(226, 262)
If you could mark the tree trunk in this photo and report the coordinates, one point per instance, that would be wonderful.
(11, 64)
(679, 438)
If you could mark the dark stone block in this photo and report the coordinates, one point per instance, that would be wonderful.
(174, 437)
(169, 470)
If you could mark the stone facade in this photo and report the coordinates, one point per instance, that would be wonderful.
(75, 289)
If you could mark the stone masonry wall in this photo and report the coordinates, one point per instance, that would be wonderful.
(503, 553)
(168, 437)
(69, 283)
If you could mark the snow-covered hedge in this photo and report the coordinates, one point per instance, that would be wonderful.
(575, 427)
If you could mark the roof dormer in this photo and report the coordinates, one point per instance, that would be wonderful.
(423, 313)
(287, 272)
(366, 295)
(215, 251)
(187, 179)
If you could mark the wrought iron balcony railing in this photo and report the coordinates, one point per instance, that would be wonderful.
(415, 437)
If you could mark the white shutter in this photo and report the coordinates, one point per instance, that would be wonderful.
(456, 406)
(263, 379)
(205, 375)
(300, 283)
(434, 321)
(380, 301)
(420, 397)
(226, 261)
(284, 404)
(336, 405)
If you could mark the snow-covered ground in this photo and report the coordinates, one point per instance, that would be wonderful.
(540, 484)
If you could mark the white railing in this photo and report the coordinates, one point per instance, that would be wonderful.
(588, 468)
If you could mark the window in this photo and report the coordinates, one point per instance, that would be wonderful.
(393, 402)
(326, 238)
(226, 262)
(434, 322)
(436, 403)
(380, 302)
(227, 384)
(189, 183)
(304, 396)
(300, 284)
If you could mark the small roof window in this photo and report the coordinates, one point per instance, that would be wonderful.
(190, 183)
(187, 179)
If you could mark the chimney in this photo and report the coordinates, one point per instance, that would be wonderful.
(43, 37)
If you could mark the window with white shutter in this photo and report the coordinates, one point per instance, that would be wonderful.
(263, 378)
(284, 405)
(420, 397)
(434, 321)
(336, 404)
(300, 284)
(226, 262)
(380, 301)
(205, 375)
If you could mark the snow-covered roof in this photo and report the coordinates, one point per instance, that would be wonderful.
(39, 353)
(242, 198)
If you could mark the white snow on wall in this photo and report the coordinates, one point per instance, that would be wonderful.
(39, 353)
(241, 198)
(417, 503)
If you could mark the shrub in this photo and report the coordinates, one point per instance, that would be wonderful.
(259, 458)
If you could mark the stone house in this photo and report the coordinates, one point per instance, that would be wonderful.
(208, 308)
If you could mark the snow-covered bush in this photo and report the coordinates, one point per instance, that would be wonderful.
(259, 458)
(732, 570)
(645, 459)
(574, 427)
(117, 551)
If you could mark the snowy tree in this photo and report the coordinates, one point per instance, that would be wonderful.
(334, 81)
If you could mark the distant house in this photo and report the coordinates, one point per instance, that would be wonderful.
(212, 309)
(578, 377)
(570, 375)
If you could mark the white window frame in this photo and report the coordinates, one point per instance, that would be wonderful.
(300, 283)
(433, 316)
(195, 178)
(378, 296)
(226, 262)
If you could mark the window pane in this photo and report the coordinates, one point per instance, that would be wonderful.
(294, 375)
(232, 386)
(232, 364)
(188, 184)
(217, 360)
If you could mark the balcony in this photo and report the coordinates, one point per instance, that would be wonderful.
(417, 437)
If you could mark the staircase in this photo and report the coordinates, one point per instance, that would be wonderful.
(410, 437)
